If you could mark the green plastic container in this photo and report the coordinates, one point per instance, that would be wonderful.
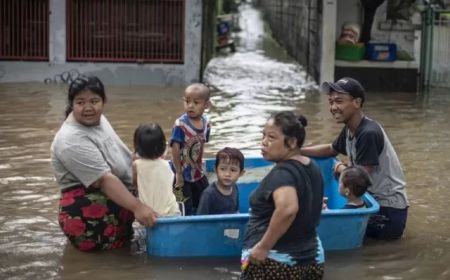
(350, 52)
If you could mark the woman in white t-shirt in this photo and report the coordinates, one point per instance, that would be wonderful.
(92, 166)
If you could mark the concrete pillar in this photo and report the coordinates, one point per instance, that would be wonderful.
(193, 39)
(329, 18)
(57, 32)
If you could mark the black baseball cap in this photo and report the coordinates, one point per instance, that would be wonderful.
(345, 85)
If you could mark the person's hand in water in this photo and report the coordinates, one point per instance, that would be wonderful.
(258, 254)
(324, 203)
(145, 215)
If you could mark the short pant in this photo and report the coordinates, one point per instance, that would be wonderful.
(192, 192)
(388, 224)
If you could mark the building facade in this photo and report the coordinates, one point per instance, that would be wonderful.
(123, 42)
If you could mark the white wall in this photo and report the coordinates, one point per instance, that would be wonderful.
(327, 40)
(348, 11)
(403, 39)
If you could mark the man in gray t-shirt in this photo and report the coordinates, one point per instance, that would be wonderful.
(366, 144)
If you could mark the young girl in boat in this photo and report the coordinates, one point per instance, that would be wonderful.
(152, 174)
(353, 183)
(222, 196)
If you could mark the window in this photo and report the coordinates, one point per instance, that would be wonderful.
(24, 29)
(139, 31)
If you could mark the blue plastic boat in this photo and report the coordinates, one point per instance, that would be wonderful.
(222, 235)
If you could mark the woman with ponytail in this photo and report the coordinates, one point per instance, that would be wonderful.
(281, 241)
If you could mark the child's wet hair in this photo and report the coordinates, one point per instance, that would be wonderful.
(201, 88)
(149, 141)
(230, 155)
(356, 179)
(292, 126)
(80, 84)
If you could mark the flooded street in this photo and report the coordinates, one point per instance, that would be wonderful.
(252, 83)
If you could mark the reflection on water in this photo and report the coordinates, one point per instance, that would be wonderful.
(250, 87)
(253, 88)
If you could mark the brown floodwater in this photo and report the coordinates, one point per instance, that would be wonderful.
(252, 83)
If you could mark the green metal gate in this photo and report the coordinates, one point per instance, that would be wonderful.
(435, 49)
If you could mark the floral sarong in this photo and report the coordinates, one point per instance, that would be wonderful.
(92, 221)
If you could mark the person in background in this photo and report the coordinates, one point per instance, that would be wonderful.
(189, 134)
(151, 174)
(280, 241)
(366, 144)
(353, 183)
(93, 168)
(222, 196)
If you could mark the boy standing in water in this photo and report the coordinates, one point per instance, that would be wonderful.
(189, 134)
(222, 196)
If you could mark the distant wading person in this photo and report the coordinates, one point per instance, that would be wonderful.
(93, 168)
(366, 144)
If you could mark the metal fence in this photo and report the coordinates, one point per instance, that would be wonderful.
(24, 29)
(125, 30)
(435, 49)
(297, 25)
